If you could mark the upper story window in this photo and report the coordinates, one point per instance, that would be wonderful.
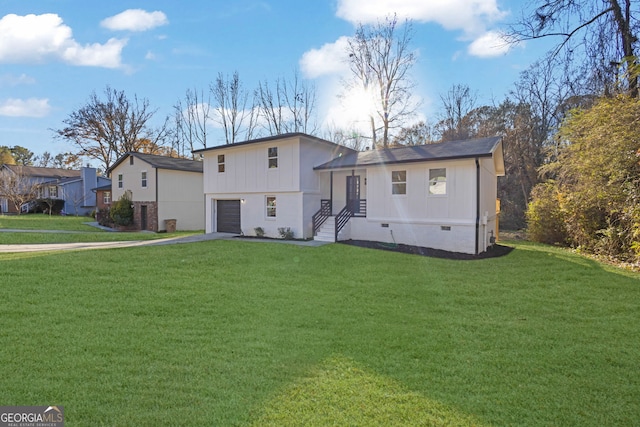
(131, 160)
(399, 182)
(144, 179)
(273, 157)
(106, 197)
(438, 181)
(120, 184)
(220, 163)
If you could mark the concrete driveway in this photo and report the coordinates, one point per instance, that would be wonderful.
(48, 247)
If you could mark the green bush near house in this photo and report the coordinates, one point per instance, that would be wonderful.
(122, 211)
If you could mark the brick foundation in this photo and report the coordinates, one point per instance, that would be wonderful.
(152, 215)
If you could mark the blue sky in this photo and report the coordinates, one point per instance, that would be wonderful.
(55, 53)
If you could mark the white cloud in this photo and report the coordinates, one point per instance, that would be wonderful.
(470, 16)
(12, 80)
(329, 59)
(135, 20)
(42, 38)
(32, 107)
(489, 45)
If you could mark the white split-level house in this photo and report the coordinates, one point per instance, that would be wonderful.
(440, 196)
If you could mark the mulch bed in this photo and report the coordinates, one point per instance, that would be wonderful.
(492, 252)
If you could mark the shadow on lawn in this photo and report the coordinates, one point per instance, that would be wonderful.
(491, 252)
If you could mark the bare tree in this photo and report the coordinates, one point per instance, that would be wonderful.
(603, 31)
(457, 103)
(233, 111)
(105, 129)
(380, 60)
(287, 107)
(417, 134)
(192, 119)
(17, 187)
(350, 138)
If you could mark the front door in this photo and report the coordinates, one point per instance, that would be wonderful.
(143, 217)
(353, 193)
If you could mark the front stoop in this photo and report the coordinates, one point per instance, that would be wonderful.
(327, 231)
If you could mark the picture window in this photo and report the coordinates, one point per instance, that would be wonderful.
(438, 181)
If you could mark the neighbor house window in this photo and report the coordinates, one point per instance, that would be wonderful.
(130, 160)
(273, 157)
(106, 197)
(53, 191)
(144, 179)
(120, 180)
(438, 181)
(399, 182)
(271, 206)
(220, 163)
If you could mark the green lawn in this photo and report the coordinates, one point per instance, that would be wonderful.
(247, 333)
(70, 229)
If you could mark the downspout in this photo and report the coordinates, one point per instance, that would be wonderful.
(157, 210)
(477, 203)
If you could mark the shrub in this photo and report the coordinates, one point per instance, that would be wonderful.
(545, 216)
(259, 231)
(122, 211)
(286, 233)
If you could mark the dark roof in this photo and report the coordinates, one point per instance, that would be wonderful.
(270, 138)
(106, 187)
(162, 162)
(450, 150)
(51, 173)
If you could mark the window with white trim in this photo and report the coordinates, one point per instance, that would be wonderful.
(271, 206)
(144, 179)
(220, 163)
(438, 181)
(120, 183)
(273, 157)
(53, 191)
(106, 197)
(398, 182)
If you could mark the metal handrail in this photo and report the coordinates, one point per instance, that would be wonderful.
(321, 216)
(342, 219)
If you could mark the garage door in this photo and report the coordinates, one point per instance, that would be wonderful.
(228, 216)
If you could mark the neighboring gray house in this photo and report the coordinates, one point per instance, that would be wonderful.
(74, 187)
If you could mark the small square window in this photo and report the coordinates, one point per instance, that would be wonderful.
(273, 157)
(438, 181)
(144, 179)
(220, 163)
(271, 207)
(399, 182)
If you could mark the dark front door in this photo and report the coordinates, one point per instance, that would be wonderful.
(143, 217)
(353, 193)
(228, 216)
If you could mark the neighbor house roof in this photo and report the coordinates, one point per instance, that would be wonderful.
(272, 138)
(49, 173)
(162, 162)
(450, 150)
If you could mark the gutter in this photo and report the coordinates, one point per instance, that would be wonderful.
(477, 203)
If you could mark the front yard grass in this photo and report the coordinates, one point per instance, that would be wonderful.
(69, 229)
(248, 333)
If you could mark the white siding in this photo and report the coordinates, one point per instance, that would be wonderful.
(132, 181)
